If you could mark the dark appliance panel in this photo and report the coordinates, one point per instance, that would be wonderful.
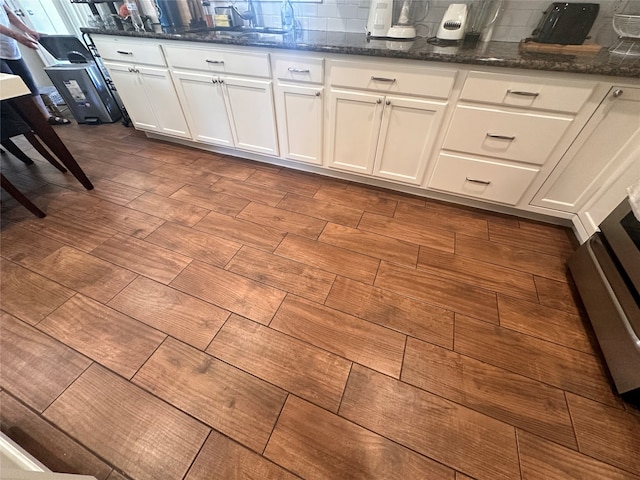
(566, 23)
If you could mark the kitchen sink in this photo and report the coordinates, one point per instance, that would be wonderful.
(239, 31)
(258, 34)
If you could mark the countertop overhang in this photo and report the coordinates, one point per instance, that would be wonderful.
(494, 54)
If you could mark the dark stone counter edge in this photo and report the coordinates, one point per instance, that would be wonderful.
(494, 54)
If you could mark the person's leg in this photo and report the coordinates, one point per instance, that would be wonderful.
(19, 67)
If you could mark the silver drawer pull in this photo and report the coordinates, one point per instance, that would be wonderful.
(122, 52)
(481, 182)
(383, 79)
(523, 94)
(214, 61)
(501, 137)
(298, 70)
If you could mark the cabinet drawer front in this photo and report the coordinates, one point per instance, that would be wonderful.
(138, 51)
(219, 61)
(537, 93)
(524, 137)
(427, 82)
(298, 69)
(487, 180)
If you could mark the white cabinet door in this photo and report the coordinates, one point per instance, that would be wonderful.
(150, 98)
(132, 92)
(164, 101)
(203, 100)
(407, 135)
(610, 139)
(251, 113)
(354, 125)
(300, 115)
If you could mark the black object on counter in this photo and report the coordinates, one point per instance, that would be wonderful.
(169, 15)
(566, 23)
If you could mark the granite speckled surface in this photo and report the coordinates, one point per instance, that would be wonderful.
(495, 54)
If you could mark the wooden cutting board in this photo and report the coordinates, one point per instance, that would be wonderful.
(535, 47)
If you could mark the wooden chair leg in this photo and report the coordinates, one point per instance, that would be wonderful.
(15, 150)
(27, 109)
(33, 140)
(20, 197)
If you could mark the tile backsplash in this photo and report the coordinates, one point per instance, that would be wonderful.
(517, 19)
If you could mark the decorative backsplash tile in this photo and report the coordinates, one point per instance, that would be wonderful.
(516, 21)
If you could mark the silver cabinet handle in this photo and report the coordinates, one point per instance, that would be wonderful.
(523, 94)
(298, 70)
(481, 182)
(617, 92)
(501, 137)
(317, 94)
(214, 61)
(383, 79)
(387, 102)
(122, 52)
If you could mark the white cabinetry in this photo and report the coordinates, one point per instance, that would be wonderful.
(139, 72)
(507, 131)
(224, 102)
(299, 97)
(603, 160)
(380, 122)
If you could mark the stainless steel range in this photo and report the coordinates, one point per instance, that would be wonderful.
(606, 270)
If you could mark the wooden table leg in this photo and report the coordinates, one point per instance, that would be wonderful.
(27, 109)
(33, 140)
(15, 150)
(20, 197)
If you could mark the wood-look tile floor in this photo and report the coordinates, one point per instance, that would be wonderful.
(206, 317)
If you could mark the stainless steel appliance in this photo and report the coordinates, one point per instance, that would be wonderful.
(606, 270)
(80, 81)
(566, 23)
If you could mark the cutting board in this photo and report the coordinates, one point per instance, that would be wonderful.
(534, 47)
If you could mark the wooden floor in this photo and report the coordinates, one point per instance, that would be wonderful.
(198, 316)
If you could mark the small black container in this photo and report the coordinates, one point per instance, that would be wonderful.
(566, 23)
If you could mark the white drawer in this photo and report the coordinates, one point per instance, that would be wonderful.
(524, 137)
(527, 92)
(138, 51)
(298, 69)
(486, 179)
(218, 60)
(429, 82)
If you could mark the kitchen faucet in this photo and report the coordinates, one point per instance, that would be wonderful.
(250, 14)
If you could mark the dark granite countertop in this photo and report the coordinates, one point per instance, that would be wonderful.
(495, 54)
